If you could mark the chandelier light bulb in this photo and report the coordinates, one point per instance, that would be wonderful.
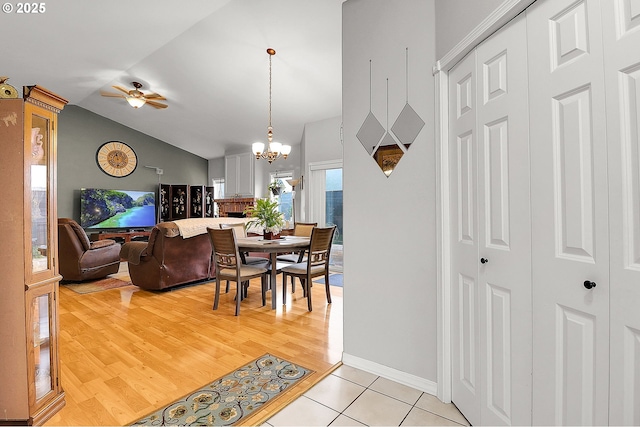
(275, 147)
(257, 148)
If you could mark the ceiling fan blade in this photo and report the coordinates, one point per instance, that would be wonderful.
(155, 104)
(121, 89)
(155, 96)
(115, 95)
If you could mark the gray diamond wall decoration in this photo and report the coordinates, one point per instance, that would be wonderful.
(408, 125)
(370, 133)
(388, 154)
(406, 128)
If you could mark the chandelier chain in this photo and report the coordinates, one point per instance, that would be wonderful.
(270, 129)
(276, 150)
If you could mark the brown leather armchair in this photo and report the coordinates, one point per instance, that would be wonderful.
(81, 259)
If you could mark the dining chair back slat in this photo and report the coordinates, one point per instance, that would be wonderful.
(304, 229)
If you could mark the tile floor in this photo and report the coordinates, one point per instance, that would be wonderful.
(352, 397)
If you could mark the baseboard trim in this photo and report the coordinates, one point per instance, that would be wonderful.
(404, 378)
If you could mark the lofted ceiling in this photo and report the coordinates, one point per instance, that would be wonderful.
(207, 57)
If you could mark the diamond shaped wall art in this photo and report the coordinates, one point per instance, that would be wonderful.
(388, 151)
(371, 130)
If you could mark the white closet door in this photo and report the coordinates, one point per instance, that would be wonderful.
(491, 244)
(504, 226)
(465, 363)
(621, 30)
(570, 239)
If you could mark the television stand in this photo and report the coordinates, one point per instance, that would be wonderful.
(125, 235)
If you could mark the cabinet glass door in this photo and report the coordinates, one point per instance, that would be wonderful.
(41, 307)
(39, 137)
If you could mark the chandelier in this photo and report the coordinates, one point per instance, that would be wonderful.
(274, 149)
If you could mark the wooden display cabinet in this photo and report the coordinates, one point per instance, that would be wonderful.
(31, 391)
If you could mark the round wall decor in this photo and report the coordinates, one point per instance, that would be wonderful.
(117, 159)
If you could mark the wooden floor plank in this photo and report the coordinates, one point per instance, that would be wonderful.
(126, 352)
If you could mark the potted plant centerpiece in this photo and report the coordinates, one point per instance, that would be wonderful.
(265, 214)
(276, 187)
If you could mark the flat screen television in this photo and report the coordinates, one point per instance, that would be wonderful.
(117, 209)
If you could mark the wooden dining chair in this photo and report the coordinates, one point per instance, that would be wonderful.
(317, 263)
(256, 261)
(230, 267)
(301, 229)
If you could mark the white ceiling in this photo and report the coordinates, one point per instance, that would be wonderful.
(207, 57)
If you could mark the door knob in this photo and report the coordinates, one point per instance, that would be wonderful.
(588, 284)
(484, 260)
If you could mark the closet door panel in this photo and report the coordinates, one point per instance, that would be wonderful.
(621, 33)
(465, 361)
(569, 199)
(504, 226)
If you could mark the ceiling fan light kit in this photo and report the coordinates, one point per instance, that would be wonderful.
(275, 150)
(135, 102)
(136, 98)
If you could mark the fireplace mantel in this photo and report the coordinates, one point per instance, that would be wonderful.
(235, 204)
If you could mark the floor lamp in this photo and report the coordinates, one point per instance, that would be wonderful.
(293, 183)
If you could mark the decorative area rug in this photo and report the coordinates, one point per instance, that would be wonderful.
(229, 399)
(96, 285)
(334, 279)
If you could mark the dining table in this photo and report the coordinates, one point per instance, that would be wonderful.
(273, 247)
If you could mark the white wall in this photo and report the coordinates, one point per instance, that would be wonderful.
(389, 223)
(320, 143)
(262, 169)
(322, 140)
(456, 18)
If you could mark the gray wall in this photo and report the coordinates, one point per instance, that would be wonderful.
(389, 223)
(456, 19)
(81, 133)
(216, 169)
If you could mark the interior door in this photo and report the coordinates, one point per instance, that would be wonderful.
(465, 350)
(621, 33)
(570, 240)
(504, 226)
(491, 231)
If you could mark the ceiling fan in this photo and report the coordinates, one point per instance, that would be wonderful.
(136, 98)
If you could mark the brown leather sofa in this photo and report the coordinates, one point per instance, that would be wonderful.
(81, 259)
(167, 259)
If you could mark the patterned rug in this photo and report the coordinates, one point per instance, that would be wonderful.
(95, 285)
(229, 399)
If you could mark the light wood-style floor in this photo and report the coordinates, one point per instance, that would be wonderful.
(126, 352)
